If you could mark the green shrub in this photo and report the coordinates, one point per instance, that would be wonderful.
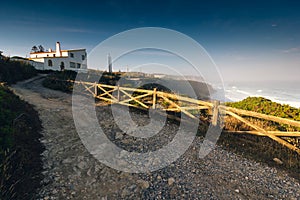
(13, 71)
(263, 148)
(266, 106)
(20, 149)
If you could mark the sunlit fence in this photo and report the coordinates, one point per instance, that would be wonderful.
(153, 99)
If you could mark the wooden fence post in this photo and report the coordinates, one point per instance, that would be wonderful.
(215, 112)
(154, 99)
(118, 92)
(96, 89)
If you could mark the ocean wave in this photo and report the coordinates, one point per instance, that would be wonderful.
(290, 96)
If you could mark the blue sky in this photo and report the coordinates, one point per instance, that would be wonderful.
(248, 40)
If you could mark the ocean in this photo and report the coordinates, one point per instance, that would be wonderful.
(280, 92)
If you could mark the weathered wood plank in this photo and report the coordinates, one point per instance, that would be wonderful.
(154, 99)
(137, 97)
(109, 91)
(276, 133)
(177, 106)
(187, 99)
(188, 108)
(277, 139)
(262, 116)
(106, 92)
(215, 112)
(134, 99)
(89, 89)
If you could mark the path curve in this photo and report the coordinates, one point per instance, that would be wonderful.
(70, 172)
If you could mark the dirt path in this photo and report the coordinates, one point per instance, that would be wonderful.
(72, 173)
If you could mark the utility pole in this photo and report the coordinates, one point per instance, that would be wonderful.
(109, 64)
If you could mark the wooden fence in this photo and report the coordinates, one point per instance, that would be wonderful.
(153, 99)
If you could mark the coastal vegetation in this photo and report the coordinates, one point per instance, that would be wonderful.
(13, 71)
(263, 148)
(20, 148)
(266, 106)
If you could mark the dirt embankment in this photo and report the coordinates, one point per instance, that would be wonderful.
(20, 159)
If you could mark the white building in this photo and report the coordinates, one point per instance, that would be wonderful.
(73, 59)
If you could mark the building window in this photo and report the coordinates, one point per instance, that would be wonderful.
(72, 64)
(53, 55)
(78, 65)
(83, 57)
(47, 55)
(50, 64)
(62, 66)
(72, 55)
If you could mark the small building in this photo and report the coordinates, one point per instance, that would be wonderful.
(73, 59)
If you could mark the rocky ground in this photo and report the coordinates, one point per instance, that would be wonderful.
(71, 172)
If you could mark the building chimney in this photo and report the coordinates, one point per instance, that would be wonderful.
(58, 50)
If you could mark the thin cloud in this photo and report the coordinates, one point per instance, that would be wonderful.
(152, 52)
(75, 30)
(291, 50)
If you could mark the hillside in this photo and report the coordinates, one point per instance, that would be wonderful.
(263, 148)
(13, 71)
(266, 106)
(20, 148)
(57, 81)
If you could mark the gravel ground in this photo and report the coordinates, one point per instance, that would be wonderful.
(71, 172)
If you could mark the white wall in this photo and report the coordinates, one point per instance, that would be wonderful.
(42, 54)
(36, 65)
(78, 58)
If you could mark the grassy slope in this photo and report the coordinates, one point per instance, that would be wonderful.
(13, 71)
(20, 149)
(259, 148)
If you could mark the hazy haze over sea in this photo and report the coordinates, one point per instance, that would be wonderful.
(283, 92)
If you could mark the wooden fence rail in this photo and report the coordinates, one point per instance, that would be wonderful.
(153, 99)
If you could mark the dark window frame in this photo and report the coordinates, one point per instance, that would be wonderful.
(50, 63)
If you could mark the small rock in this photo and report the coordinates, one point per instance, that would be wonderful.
(67, 161)
(237, 191)
(143, 184)
(89, 172)
(125, 193)
(158, 177)
(119, 136)
(54, 191)
(81, 165)
(278, 161)
(171, 181)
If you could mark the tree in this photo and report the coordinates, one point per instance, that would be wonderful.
(41, 48)
(34, 49)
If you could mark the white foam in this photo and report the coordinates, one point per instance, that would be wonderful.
(287, 96)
